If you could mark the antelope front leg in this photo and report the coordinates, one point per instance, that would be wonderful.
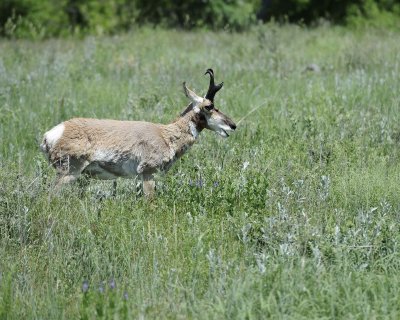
(59, 182)
(149, 185)
(114, 192)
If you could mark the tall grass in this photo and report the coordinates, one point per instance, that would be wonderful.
(294, 216)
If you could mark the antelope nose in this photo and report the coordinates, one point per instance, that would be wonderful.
(233, 126)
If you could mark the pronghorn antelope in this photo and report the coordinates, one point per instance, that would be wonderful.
(108, 149)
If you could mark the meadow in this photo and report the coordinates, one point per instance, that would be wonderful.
(294, 216)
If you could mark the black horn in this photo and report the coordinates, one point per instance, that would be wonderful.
(212, 89)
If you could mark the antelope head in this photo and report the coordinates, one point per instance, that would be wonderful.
(212, 118)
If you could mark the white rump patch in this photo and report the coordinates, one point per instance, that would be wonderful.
(193, 130)
(53, 135)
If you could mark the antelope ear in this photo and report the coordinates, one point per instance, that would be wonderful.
(196, 100)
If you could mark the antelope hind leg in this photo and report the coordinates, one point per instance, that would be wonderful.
(149, 185)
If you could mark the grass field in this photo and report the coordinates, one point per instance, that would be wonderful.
(294, 216)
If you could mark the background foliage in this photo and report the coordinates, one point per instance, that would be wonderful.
(381, 13)
(45, 18)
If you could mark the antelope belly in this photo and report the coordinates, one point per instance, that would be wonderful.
(111, 170)
(129, 168)
(95, 170)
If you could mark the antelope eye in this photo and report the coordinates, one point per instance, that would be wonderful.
(209, 107)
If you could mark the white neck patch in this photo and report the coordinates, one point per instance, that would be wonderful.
(193, 130)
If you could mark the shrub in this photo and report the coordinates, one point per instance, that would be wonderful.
(374, 13)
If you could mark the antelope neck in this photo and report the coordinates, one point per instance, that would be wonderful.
(182, 134)
(192, 123)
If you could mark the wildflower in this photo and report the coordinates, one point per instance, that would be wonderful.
(85, 286)
(112, 284)
(215, 184)
(126, 295)
(245, 164)
(199, 183)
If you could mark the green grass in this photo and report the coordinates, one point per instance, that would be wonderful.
(297, 213)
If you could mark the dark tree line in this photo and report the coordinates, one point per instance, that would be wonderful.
(336, 11)
(25, 18)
